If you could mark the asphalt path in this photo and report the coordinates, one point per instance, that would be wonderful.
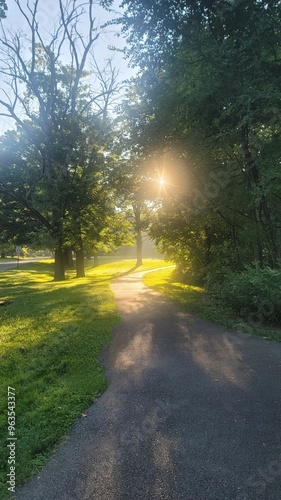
(192, 412)
(13, 263)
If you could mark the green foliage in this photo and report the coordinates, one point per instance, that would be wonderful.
(214, 307)
(84, 198)
(208, 96)
(61, 118)
(254, 294)
(194, 298)
(7, 248)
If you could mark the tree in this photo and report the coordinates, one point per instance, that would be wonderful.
(131, 177)
(3, 8)
(87, 202)
(50, 103)
(209, 83)
(18, 177)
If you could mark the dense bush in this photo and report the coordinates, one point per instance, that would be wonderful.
(254, 294)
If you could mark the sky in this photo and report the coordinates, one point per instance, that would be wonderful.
(47, 13)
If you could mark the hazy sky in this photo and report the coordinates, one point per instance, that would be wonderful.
(47, 15)
(47, 11)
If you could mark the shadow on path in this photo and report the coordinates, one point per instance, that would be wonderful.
(193, 411)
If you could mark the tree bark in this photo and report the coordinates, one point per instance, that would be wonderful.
(208, 240)
(68, 258)
(265, 216)
(59, 264)
(236, 249)
(139, 247)
(96, 259)
(80, 269)
(138, 226)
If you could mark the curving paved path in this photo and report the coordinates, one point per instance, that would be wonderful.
(192, 412)
(13, 263)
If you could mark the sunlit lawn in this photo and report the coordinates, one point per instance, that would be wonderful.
(197, 301)
(51, 337)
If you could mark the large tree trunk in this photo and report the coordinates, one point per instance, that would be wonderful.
(236, 249)
(271, 233)
(59, 265)
(68, 258)
(80, 269)
(138, 226)
(139, 248)
(96, 259)
(57, 227)
(265, 216)
(208, 244)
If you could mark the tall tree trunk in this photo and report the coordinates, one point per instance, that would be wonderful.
(208, 244)
(57, 227)
(265, 216)
(68, 258)
(257, 251)
(270, 232)
(96, 259)
(138, 226)
(80, 269)
(59, 264)
(139, 247)
(236, 249)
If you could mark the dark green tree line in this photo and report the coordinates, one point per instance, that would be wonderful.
(209, 88)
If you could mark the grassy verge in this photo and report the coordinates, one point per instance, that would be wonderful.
(197, 301)
(51, 336)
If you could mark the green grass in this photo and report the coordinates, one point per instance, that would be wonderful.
(51, 337)
(196, 300)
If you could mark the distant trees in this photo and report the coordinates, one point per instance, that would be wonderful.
(133, 178)
(132, 195)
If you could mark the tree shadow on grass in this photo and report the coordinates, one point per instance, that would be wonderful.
(51, 350)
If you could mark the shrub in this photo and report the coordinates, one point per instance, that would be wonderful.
(253, 293)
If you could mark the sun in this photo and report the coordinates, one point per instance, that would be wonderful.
(161, 181)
